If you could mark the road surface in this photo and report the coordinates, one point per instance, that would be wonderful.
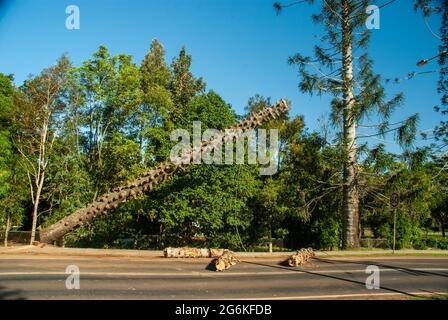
(44, 277)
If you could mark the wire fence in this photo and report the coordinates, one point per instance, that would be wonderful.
(18, 237)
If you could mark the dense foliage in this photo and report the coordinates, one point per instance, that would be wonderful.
(110, 119)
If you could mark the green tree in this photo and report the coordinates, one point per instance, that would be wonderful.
(357, 93)
(184, 86)
(154, 115)
(110, 94)
(68, 184)
(209, 200)
(38, 108)
(11, 188)
(6, 115)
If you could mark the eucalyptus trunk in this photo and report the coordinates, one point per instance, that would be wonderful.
(39, 180)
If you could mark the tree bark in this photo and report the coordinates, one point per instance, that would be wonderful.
(350, 185)
(186, 252)
(8, 222)
(39, 180)
(35, 209)
(270, 234)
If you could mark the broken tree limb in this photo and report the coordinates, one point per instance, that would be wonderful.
(147, 181)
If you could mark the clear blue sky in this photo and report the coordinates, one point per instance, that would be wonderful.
(239, 47)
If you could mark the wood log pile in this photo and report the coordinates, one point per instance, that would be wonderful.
(147, 181)
(225, 260)
(301, 257)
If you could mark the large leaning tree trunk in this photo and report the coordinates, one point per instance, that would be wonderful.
(147, 181)
(350, 186)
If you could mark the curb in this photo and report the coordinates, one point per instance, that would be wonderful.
(55, 251)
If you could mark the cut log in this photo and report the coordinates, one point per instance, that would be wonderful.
(215, 253)
(186, 252)
(225, 261)
(301, 257)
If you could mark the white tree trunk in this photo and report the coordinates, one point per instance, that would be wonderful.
(35, 209)
(39, 180)
(350, 187)
(8, 222)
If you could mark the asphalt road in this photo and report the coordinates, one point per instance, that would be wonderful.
(44, 277)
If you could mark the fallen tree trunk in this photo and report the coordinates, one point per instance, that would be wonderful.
(225, 261)
(301, 257)
(147, 181)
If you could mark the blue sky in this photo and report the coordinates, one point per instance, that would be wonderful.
(239, 47)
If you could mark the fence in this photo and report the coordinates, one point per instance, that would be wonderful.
(18, 237)
(373, 243)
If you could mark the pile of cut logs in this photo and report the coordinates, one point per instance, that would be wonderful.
(225, 261)
(223, 258)
(301, 257)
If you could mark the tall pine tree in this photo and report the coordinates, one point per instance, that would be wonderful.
(357, 93)
(157, 104)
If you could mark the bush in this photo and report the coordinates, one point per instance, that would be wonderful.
(434, 243)
(408, 233)
(442, 244)
(420, 245)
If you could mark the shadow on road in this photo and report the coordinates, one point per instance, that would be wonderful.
(401, 269)
(8, 294)
(211, 266)
(328, 276)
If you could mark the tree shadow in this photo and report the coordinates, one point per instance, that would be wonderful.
(302, 270)
(10, 294)
(284, 263)
(211, 266)
(382, 265)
